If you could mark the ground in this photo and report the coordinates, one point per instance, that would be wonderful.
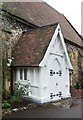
(61, 109)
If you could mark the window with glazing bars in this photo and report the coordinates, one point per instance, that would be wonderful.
(25, 74)
(21, 73)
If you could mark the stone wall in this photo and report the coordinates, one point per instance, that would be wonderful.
(12, 30)
(75, 58)
(77, 93)
(82, 60)
(11, 25)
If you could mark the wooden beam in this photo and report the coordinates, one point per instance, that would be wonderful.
(61, 55)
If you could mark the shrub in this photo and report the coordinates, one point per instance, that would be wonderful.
(17, 97)
(81, 84)
(77, 86)
(6, 105)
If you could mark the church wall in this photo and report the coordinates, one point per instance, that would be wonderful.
(76, 60)
(12, 31)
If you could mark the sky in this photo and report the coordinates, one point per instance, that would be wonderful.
(71, 9)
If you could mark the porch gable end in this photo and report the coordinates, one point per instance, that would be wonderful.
(57, 33)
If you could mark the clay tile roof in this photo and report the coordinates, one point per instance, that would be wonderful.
(32, 46)
(41, 14)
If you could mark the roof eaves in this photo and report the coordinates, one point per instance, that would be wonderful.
(72, 43)
(24, 66)
(72, 26)
(49, 25)
(20, 19)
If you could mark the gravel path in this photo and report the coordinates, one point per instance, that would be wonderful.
(50, 111)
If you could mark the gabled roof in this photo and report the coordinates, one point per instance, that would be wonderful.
(32, 46)
(62, 47)
(40, 14)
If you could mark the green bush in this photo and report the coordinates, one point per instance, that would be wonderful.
(81, 84)
(6, 105)
(17, 97)
(77, 86)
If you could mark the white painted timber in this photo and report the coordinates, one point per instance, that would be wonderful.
(50, 80)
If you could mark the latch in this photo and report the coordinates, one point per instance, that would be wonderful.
(52, 95)
(59, 73)
(52, 72)
(59, 94)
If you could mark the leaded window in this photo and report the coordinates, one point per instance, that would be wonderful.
(21, 73)
(25, 74)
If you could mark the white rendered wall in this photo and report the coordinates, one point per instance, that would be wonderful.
(57, 52)
(44, 84)
(33, 75)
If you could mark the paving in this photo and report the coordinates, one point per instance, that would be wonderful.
(51, 110)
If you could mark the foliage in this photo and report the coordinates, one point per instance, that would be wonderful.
(79, 84)
(5, 104)
(17, 97)
(24, 88)
(20, 92)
